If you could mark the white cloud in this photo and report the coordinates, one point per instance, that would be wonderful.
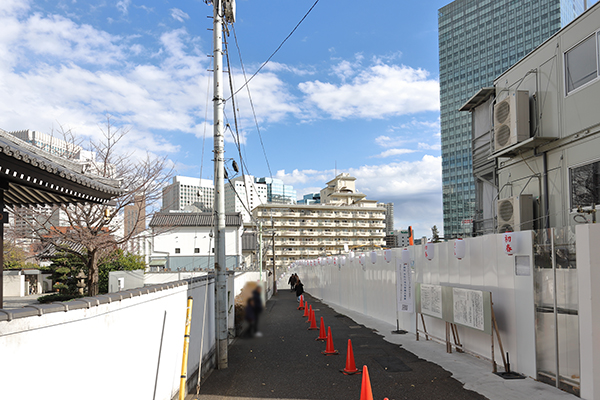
(179, 15)
(83, 73)
(123, 6)
(387, 141)
(394, 152)
(427, 146)
(379, 91)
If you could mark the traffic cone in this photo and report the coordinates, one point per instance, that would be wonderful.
(310, 312)
(329, 350)
(301, 306)
(322, 334)
(313, 321)
(306, 314)
(365, 389)
(350, 365)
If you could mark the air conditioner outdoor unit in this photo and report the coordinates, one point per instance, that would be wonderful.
(515, 213)
(511, 119)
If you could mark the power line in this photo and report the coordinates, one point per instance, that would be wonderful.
(276, 50)
(252, 102)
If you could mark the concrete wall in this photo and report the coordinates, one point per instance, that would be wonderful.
(14, 284)
(371, 290)
(108, 350)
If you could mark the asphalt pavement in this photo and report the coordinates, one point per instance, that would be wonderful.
(286, 362)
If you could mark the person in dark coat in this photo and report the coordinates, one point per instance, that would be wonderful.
(251, 317)
(299, 289)
(258, 307)
(292, 282)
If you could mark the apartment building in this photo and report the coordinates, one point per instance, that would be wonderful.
(344, 218)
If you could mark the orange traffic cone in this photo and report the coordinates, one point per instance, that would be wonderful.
(306, 314)
(365, 389)
(310, 312)
(322, 334)
(350, 365)
(301, 306)
(329, 350)
(313, 321)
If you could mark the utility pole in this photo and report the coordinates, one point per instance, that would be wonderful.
(260, 250)
(274, 268)
(219, 158)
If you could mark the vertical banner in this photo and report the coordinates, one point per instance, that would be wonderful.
(404, 287)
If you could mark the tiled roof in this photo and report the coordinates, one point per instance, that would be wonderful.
(192, 219)
(249, 241)
(36, 177)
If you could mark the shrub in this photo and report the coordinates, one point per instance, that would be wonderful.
(58, 297)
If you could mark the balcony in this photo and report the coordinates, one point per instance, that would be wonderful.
(311, 223)
(326, 224)
(344, 224)
(327, 215)
(378, 216)
(291, 214)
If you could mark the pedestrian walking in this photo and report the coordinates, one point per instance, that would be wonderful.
(251, 317)
(258, 308)
(299, 289)
(292, 282)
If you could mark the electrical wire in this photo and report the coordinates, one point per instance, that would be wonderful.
(276, 50)
(251, 101)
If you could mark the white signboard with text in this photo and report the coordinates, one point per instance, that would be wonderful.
(404, 287)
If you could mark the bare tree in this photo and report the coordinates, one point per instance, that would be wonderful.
(97, 227)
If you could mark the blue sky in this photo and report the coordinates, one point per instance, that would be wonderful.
(356, 86)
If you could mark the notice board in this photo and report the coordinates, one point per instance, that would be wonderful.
(467, 307)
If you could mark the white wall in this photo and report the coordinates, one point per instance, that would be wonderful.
(588, 267)
(372, 291)
(189, 238)
(116, 346)
(14, 284)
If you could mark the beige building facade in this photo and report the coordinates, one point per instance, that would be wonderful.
(344, 218)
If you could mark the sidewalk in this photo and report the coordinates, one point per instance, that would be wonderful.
(473, 372)
(286, 363)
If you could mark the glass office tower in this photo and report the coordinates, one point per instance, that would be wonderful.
(478, 40)
(278, 192)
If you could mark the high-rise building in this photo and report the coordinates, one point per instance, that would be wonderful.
(389, 218)
(243, 194)
(478, 40)
(188, 194)
(278, 192)
(135, 217)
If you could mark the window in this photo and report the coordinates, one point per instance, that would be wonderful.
(585, 185)
(177, 250)
(196, 250)
(581, 64)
